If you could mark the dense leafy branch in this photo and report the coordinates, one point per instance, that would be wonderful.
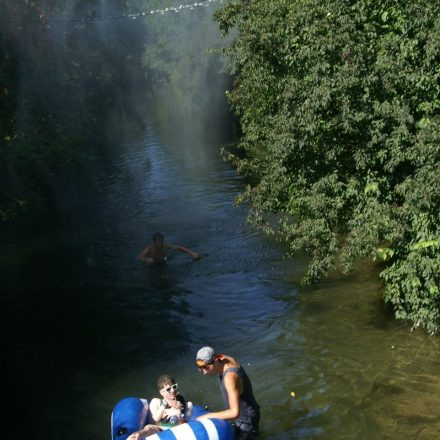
(339, 107)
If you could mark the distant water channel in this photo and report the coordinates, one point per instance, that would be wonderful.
(84, 324)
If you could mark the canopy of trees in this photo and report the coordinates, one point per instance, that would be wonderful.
(65, 65)
(58, 81)
(339, 107)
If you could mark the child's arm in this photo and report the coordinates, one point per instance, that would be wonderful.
(159, 411)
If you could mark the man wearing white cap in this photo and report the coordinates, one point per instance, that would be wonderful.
(241, 407)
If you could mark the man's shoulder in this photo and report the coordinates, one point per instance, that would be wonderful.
(231, 372)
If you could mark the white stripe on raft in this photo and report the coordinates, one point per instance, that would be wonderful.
(184, 432)
(181, 432)
(210, 428)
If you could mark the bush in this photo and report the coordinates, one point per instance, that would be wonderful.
(338, 104)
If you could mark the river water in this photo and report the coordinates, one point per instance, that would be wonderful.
(84, 324)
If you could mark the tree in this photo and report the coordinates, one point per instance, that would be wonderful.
(338, 104)
(60, 77)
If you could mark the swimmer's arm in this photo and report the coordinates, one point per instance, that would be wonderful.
(145, 255)
(180, 248)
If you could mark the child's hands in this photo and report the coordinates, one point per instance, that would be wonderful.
(170, 412)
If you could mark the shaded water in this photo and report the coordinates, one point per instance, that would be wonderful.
(84, 324)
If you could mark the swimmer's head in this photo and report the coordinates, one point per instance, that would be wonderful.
(158, 237)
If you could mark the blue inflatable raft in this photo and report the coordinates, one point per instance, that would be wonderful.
(132, 414)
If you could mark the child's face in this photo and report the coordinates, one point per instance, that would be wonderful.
(169, 390)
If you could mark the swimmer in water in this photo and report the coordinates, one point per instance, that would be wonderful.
(156, 252)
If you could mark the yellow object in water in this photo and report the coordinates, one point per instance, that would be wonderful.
(292, 394)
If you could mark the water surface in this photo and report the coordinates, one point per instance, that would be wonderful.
(84, 324)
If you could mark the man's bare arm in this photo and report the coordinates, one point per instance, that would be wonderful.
(233, 385)
(180, 248)
(145, 255)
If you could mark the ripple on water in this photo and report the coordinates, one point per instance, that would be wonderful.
(107, 326)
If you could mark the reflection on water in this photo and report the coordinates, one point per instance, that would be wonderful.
(89, 325)
(362, 375)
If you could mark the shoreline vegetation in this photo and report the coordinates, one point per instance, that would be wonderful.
(339, 105)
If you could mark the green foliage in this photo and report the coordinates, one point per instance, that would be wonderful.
(58, 82)
(339, 107)
(63, 71)
(182, 60)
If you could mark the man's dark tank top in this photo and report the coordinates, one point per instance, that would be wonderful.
(249, 408)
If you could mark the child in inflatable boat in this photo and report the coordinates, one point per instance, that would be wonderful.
(167, 411)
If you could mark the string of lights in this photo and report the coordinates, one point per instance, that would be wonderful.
(174, 9)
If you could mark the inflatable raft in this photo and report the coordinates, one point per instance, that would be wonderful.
(132, 414)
